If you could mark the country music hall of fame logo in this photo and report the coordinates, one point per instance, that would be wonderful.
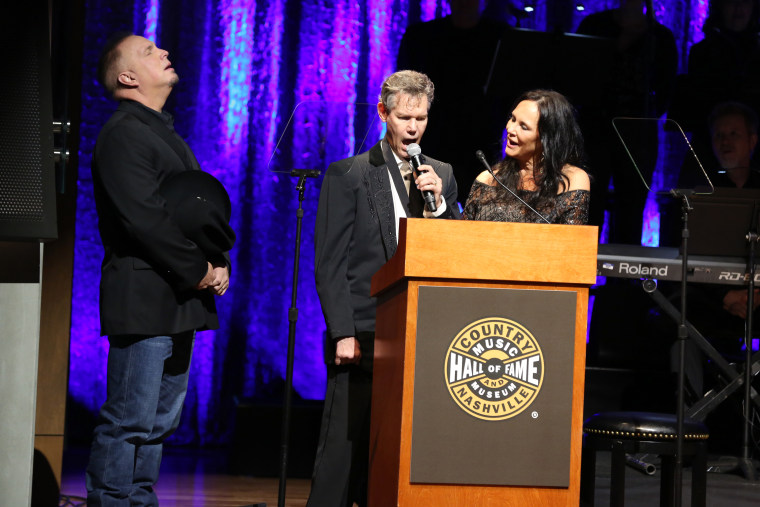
(494, 368)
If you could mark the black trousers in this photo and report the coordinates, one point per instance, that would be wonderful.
(342, 463)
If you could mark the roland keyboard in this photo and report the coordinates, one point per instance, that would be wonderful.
(664, 263)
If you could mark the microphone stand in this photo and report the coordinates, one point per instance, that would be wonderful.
(683, 334)
(302, 175)
(746, 465)
(481, 156)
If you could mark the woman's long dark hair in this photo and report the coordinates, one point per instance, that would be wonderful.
(560, 143)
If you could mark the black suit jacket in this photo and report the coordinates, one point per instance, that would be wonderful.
(149, 268)
(356, 234)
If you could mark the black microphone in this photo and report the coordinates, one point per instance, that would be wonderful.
(414, 152)
(483, 161)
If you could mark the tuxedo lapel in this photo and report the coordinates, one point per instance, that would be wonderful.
(381, 197)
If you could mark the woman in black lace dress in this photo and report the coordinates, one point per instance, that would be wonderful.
(542, 165)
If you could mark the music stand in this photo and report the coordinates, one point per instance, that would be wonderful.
(721, 220)
(631, 132)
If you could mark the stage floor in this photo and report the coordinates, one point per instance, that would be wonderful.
(198, 478)
(193, 478)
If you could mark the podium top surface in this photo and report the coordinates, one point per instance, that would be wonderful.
(491, 251)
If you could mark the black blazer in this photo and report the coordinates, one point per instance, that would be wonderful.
(356, 234)
(149, 268)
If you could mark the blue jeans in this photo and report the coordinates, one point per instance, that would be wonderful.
(147, 383)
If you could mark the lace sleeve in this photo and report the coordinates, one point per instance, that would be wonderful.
(472, 206)
(573, 207)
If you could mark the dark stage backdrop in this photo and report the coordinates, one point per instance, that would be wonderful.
(244, 66)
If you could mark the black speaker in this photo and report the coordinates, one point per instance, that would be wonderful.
(45, 490)
(27, 165)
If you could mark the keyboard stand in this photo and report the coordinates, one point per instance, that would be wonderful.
(733, 377)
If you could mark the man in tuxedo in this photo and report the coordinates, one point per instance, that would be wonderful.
(157, 286)
(361, 201)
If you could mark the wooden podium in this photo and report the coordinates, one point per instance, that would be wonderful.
(468, 396)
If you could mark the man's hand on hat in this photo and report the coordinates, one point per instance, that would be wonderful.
(222, 276)
(208, 281)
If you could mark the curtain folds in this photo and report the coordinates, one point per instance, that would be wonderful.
(245, 65)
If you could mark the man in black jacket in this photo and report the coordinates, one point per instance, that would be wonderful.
(361, 201)
(156, 287)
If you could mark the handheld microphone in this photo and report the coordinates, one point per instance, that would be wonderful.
(414, 152)
(483, 161)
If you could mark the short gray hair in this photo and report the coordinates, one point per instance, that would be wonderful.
(735, 108)
(414, 84)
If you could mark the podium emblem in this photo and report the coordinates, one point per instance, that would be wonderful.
(494, 368)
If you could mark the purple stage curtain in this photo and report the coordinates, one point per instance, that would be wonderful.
(244, 67)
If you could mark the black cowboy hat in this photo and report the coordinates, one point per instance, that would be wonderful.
(199, 204)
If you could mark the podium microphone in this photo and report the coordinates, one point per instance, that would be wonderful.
(483, 161)
(414, 152)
